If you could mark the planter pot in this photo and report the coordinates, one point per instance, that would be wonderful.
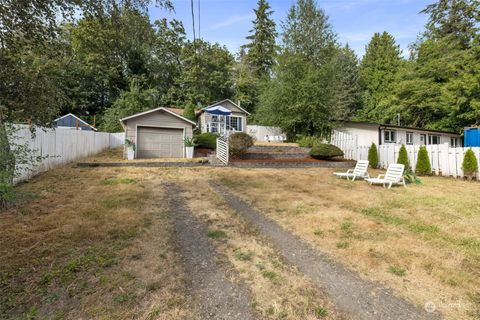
(130, 153)
(189, 152)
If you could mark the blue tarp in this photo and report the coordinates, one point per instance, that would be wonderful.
(218, 110)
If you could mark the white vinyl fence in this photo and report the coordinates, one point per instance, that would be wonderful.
(445, 161)
(57, 147)
(222, 149)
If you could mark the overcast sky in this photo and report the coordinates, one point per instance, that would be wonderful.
(229, 21)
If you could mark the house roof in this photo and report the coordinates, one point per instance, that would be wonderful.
(77, 118)
(383, 125)
(167, 110)
(220, 102)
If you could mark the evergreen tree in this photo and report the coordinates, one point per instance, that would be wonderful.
(373, 156)
(423, 167)
(378, 73)
(347, 86)
(470, 163)
(440, 89)
(308, 32)
(262, 48)
(403, 157)
(300, 98)
(247, 83)
(189, 111)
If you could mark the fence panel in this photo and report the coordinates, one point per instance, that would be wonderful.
(444, 160)
(58, 147)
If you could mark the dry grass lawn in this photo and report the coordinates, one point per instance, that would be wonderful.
(422, 241)
(97, 243)
(90, 243)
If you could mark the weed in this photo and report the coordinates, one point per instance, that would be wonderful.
(125, 297)
(154, 286)
(113, 182)
(270, 275)
(342, 245)
(216, 234)
(244, 256)
(398, 271)
(318, 233)
(320, 312)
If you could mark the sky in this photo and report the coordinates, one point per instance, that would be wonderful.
(228, 22)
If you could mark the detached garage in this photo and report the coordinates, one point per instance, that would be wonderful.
(158, 133)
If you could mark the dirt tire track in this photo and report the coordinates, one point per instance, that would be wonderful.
(358, 298)
(216, 297)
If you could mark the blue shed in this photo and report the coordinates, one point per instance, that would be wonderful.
(472, 137)
(73, 122)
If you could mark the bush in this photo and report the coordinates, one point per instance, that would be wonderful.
(325, 151)
(238, 144)
(403, 157)
(206, 140)
(308, 141)
(470, 164)
(373, 156)
(423, 162)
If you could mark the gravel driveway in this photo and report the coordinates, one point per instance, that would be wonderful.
(358, 298)
(215, 296)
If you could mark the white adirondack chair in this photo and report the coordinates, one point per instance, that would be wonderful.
(360, 171)
(394, 175)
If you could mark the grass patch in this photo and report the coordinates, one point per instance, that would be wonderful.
(397, 270)
(216, 234)
(342, 244)
(320, 312)
(116, 181)
(125, 297)
(244, 256)
(318, 233)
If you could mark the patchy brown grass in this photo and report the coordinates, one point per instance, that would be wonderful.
(90, 243)
(422, 241)
(278, 290)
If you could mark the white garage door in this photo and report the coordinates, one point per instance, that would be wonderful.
(159, 142)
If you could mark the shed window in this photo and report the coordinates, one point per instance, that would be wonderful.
(390, 136)
(453, 142)
(433, 139)
(409, 137)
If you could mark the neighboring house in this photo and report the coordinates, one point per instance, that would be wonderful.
(368, 133)
(70, 121)
(222, 117)
(158, 133)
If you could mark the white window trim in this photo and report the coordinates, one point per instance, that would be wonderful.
(434, 135)
(241, 122)
(390, 135)
(409, 133)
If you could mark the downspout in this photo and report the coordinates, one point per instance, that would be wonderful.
(379, 135)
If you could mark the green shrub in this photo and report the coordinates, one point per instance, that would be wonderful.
(403, 157)
(325, 151)
(470, 163)
(7, 194)
(308, 141)
(423, 167)
(238, 143)
(373, 156)
(206, 140)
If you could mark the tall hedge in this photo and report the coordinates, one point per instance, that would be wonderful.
(423, 167)
(373, 156)
(403, 157)
(470, 163)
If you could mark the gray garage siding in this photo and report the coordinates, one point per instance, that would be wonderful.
(158, 119)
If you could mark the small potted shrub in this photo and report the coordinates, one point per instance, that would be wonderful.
(470, 164)
(325, 151)
(189, 147)
(130, 149)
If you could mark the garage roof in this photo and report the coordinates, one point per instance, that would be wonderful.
(158, 109)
